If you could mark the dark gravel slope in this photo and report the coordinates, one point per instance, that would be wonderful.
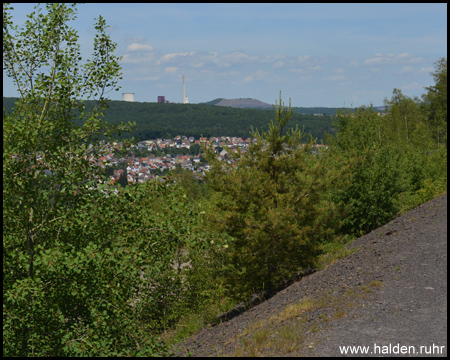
(392, 290)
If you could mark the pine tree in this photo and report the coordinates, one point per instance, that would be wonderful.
(270, 202)
(123, 179)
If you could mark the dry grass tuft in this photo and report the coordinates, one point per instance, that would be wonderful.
(376, 283)
(286, 331)
(292, 311)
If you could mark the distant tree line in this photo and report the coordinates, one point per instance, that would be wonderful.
(155, 120)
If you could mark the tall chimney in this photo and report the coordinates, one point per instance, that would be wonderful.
(184, 92)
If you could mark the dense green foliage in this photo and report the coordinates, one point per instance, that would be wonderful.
(435, 103)
(169, 120)
(371, 196)
(317, 110)
(397, 161)
(87, 270)
(92, 270)
(271, 205)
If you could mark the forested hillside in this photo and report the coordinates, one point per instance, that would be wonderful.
(155, 120)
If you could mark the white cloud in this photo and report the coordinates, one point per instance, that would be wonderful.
(238, 57)
(213, 61)
(353, 64)
(137, 47)
(171, 69)
(272, 58)
(307, 69)
(375, 70)
(203, 58)
(278, 64)
(173, 56)
(404, 55)
(280, 61)
(200, 59)
(168, 57)
(392, 59)
(376, 60)
(426, 70)
(303, 58)
(136, 58)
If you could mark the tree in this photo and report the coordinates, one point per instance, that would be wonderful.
(435, 102)
(194, 149)
(370, 196)
(269, 201)
(403, 116)
(77, 256)
(187, 179)
(123, 179)
(406, 128)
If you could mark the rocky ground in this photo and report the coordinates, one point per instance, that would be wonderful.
(391, 292)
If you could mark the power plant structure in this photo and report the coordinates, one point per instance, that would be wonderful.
(185, 98)
(128, 97)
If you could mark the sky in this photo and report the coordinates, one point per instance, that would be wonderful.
(330, 55)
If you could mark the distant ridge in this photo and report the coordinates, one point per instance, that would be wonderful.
(244, 104)
(212, 102)
(250, 103)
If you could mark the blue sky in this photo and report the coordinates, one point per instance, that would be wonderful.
(329, 55)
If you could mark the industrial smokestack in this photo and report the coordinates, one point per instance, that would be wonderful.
(184, 92)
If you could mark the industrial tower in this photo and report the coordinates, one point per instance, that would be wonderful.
(185, 98)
